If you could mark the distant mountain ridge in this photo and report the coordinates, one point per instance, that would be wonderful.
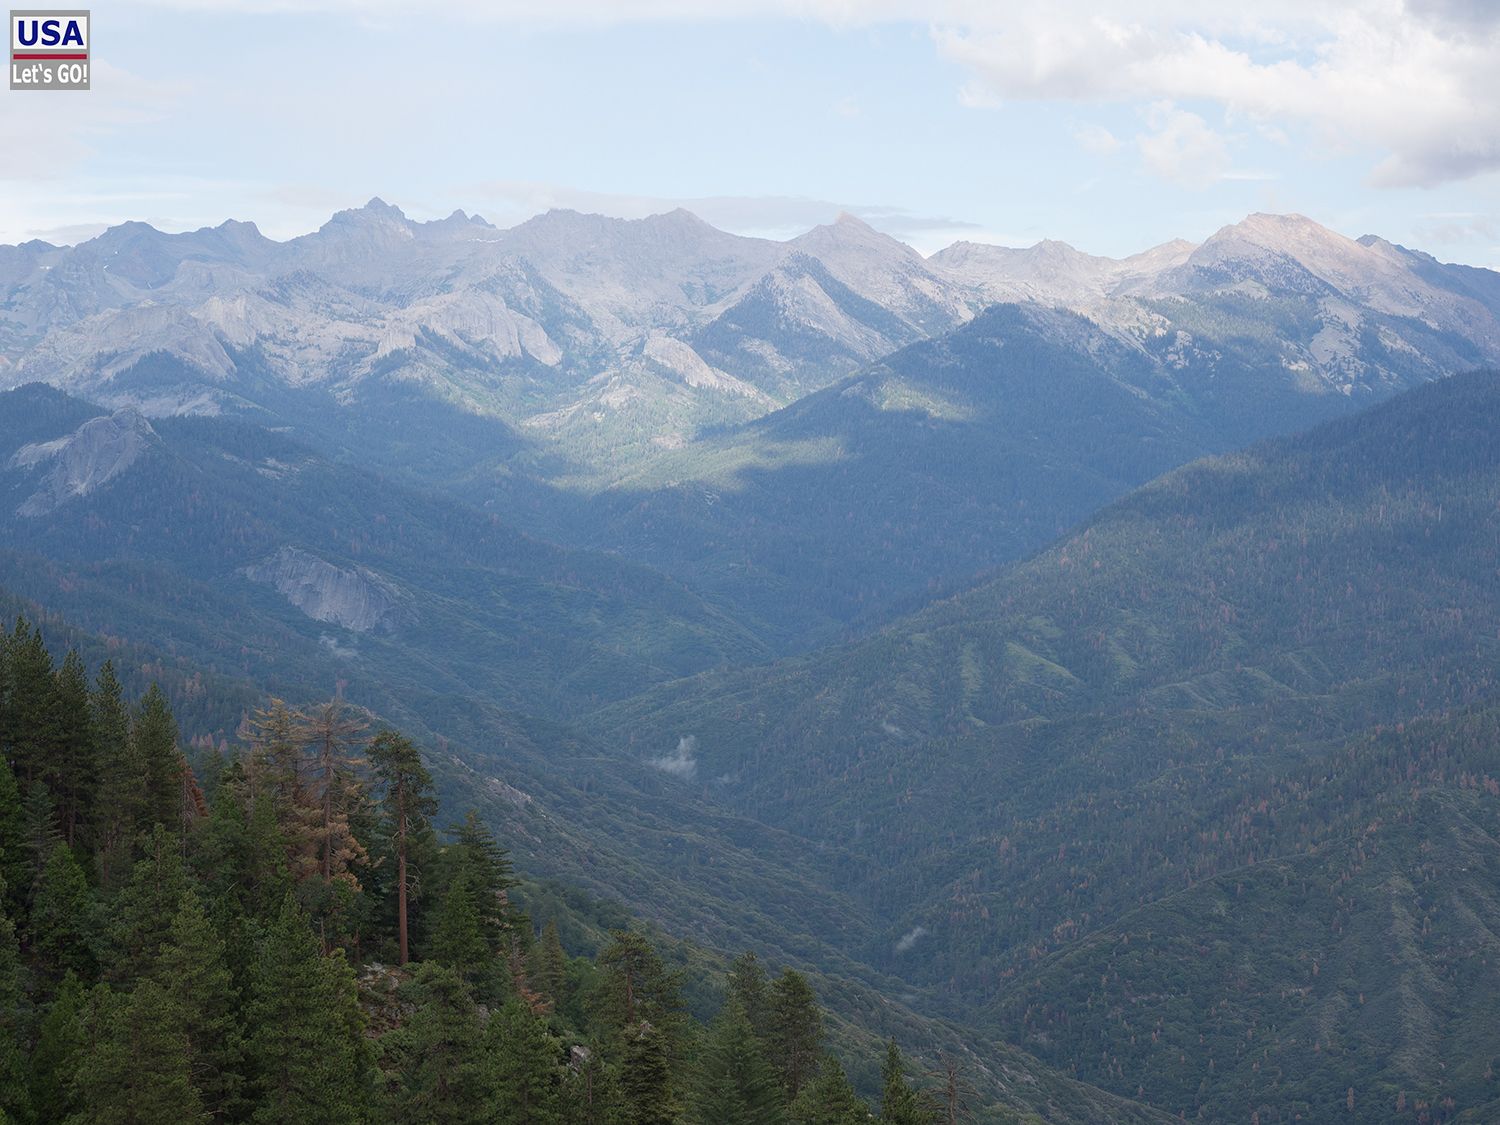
(548, 326)
(811, 432)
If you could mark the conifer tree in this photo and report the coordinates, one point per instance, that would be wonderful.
(64, 923)
(5, 695)
(899, 1103)
(829, 1099)
(590, 1089)
(307, 1052)
(796, 1037)
(15, 1021)
(274, 767)
(142, 913)
(120, 787)
(33, 719)
(15, 864)
(635, 986)
(523, 1062)
(486, 870)
(58, 1053)
(39, 820)
(443, 1078)
(407, 805)
(747, 984)
(154, 739)
(736, 1086)
(458, 942)
(239, 853)
(193, 971)
(647, 1096)
(549, 965)
(329, 731)
(73, 772)
(135, 1068)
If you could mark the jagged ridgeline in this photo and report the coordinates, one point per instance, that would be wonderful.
(806, 431)
(280, 932)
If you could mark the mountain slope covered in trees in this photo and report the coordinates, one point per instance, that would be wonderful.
(292, 927)
(1031, 760)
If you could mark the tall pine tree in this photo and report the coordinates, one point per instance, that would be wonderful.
(735, 1085)
(523, 1060)
(135, 1067)
(308, 1056)
(407, 805)
(443, 1078)
(796, 1037)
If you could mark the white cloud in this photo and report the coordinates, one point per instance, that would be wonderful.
(1412, 80)
(682, 762)
(1096, 139)
(1182, 147)
(49, 134)
(908, 940)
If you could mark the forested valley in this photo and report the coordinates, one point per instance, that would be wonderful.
(289, 929)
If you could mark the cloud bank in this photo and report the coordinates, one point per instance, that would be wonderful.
(1412, 80)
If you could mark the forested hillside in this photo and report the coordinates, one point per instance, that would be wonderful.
(1101, 728)
(282, 932)
(290, 923)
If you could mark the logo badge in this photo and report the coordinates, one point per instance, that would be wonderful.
(49, 50)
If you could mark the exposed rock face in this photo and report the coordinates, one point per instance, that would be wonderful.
(606, 336)
(95, 453)
(355, 598)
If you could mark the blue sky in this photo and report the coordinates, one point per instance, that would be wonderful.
(1111, 126)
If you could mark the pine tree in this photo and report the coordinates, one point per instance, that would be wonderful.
(308, 1056)
(73, 773)
(735, 1086)
(239, 853)
(274, 767)
(458, 942)
(141, 914)
(64, 923)
(58, 1053)
(523, 1063)
(796, 1037)
(590, 1090)
(15, 864)
(647, 1096)
(192, 968)
(407, 805)
(899, 1103)
(120, 787)
(829, 1099)
(154, 740)
(636, 986)
(34, 715)
(135, 1068)
(443, 1078)
(747, 984)
(485, 868)
(549, 965)
(15, 1021)
(39, 825)
(330, 731)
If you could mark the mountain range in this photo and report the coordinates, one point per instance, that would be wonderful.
(656, 387)
(1087, 666)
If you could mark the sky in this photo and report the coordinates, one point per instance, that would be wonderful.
(1112, 126)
